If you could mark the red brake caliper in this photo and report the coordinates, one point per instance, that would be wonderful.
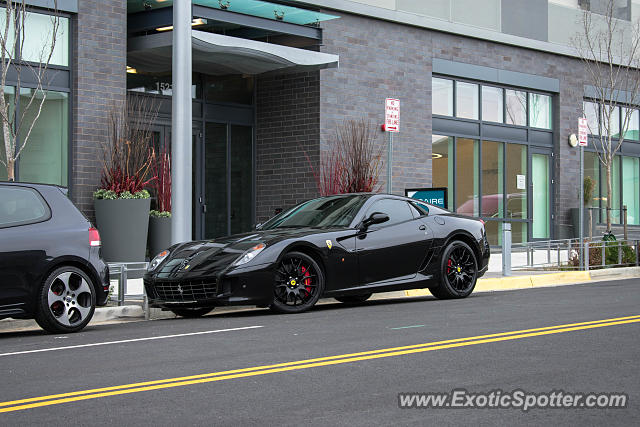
(449, 265)
(307, 282)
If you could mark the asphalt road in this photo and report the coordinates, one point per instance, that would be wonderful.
(348, 389)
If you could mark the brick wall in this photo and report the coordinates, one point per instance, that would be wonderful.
(288, 126)
(380, 59)
(99, 59)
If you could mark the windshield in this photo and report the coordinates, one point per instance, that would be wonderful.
(331, 211)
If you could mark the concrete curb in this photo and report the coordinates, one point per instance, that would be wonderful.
(103, 314)
(545, 280)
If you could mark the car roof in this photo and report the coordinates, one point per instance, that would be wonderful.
(33, 185)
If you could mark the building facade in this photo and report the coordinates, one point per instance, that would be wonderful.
(490, 93)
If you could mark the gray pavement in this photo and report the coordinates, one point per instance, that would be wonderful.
(362, 392)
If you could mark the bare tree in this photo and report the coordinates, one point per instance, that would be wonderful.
(609, 49)
(16, 128)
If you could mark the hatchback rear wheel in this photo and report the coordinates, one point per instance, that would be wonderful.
(66, 302)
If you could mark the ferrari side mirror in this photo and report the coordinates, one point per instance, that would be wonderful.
(375, 218)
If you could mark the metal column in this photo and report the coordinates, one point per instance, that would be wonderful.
(181, 162)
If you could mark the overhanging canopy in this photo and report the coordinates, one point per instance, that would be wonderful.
(217, 54)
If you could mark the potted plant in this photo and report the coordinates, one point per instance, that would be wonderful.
(160, 217)
(121, 202)
(589, 226)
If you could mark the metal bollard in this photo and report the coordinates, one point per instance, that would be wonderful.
(506, 249)
(586, 251)
(122, 284)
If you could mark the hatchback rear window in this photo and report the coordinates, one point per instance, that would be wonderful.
(21, 206)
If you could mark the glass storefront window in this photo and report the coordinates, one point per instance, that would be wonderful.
(492, 180)
(516, 175)
(492, 104)
(633, 129)
(592, 169)
(540, 111)
(611, 121)
(39, 37)
(45, 156)
(9, 92)
(467, 100)
(442, 164)
(631, 188)
(467, 164)
(591, 112)
(516, 107)
(540, 197)
(442, 96)
(615, 192)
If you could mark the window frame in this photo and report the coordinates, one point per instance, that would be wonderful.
(52, 88)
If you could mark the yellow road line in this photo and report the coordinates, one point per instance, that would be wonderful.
(299, 362)
(305, 364)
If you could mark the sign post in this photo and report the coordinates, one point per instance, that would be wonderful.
(583, 135)
(391, 125)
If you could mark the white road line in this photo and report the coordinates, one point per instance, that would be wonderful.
(127, 341)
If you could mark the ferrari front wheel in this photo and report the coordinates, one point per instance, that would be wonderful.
(299, 282)
(459, 271)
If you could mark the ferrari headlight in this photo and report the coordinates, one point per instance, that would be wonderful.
(250, 254)
(157, 260)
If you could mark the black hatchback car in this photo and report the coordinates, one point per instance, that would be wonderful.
(50, 265)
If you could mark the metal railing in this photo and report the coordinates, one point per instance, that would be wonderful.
(564, 254)
(120, 271)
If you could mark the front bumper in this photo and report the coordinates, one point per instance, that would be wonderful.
(242, 286)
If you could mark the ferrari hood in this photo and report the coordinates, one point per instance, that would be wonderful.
(210, 256)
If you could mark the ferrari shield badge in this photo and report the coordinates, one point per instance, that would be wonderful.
(329, 244)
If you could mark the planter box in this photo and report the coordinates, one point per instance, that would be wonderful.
(123, 225)
(159, 235)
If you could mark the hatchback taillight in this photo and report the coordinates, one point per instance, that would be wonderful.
(481, 220)
(94, 237)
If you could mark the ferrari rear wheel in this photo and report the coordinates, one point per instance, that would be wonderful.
(354, 299)
(299, 282)
(191, 313)
(459, 272)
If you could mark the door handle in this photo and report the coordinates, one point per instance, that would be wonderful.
(204, 208)
(422, 227)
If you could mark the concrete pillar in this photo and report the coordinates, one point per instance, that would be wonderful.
(181, 123)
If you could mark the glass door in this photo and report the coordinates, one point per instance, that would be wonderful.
(227, 179)
(541, 195)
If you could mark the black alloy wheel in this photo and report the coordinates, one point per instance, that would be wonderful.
(299, 282)
(66, 302)
(354, 299)
(459, 271)
(191, 313)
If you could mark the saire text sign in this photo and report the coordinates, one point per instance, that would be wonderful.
(392, 115)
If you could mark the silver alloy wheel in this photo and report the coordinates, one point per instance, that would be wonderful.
(69, 298)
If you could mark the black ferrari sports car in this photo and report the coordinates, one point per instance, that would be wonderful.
(344, 246)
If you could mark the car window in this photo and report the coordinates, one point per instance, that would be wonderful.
(20, 206)
(331, 211)
(419, 209)
(398, 210)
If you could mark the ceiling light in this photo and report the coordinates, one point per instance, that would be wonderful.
(195, 23)
(436, 156)
(131, 70)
